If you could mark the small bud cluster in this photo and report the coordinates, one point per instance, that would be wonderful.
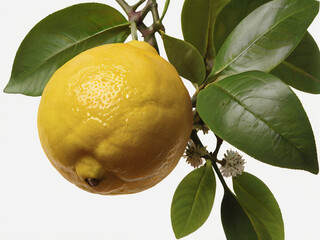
(232, 165)
(194, 154)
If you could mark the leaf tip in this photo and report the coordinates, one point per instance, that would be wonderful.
(314, 169)
(15, 89)
(312, 166)
(178, 235)
(8, 89)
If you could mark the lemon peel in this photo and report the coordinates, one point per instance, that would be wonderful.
(115, 119)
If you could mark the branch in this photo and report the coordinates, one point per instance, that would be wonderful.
(125, 6)
(218, 145)
(136, 20)
(135, 6)
(154, 10)
(195, 138)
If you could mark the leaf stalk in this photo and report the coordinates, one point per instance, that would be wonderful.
(165, 9)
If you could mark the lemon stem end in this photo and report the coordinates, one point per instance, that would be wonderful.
(92, 182)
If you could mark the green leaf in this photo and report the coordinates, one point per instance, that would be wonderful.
(197, 21)
(235, 221)
(225, 24)
(265, 37)
(185, 58)
(260, 205)
(260, 115)
(58, 38)
(193, 200)
(301, 69)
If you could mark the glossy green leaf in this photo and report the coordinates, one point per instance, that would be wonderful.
(225, 24)
(193, 200)
(301, 69)
(58, 38)
(265, 37)
(260, 205)
(197, 21)
(260, 115)
(235, 221)
(185, 58)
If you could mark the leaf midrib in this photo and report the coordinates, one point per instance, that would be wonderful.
(250, 215)
(208, 30)
(262, 35)
(300, 70)
(258, 202)
(71, 46)
(212, 24)
(262, 120)
(194, 198)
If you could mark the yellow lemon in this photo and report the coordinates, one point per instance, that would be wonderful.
(115, 119)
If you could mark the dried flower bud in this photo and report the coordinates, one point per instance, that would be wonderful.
(194, 154)
(195, 161)
(233, 164)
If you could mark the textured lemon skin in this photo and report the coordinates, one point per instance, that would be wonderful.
(118, 113)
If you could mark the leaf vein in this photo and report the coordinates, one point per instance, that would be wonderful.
(261, 119)
(71, 46)
(259, 37)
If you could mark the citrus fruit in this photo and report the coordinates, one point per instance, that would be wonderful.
(115, 119)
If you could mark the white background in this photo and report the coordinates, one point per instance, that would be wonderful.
(36, 203)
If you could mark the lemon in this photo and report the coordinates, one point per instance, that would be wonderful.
(115, 119)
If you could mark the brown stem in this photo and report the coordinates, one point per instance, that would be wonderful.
(154, 10)
(145, 11)
(218, 145)
(137, 17)
(195, 138)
